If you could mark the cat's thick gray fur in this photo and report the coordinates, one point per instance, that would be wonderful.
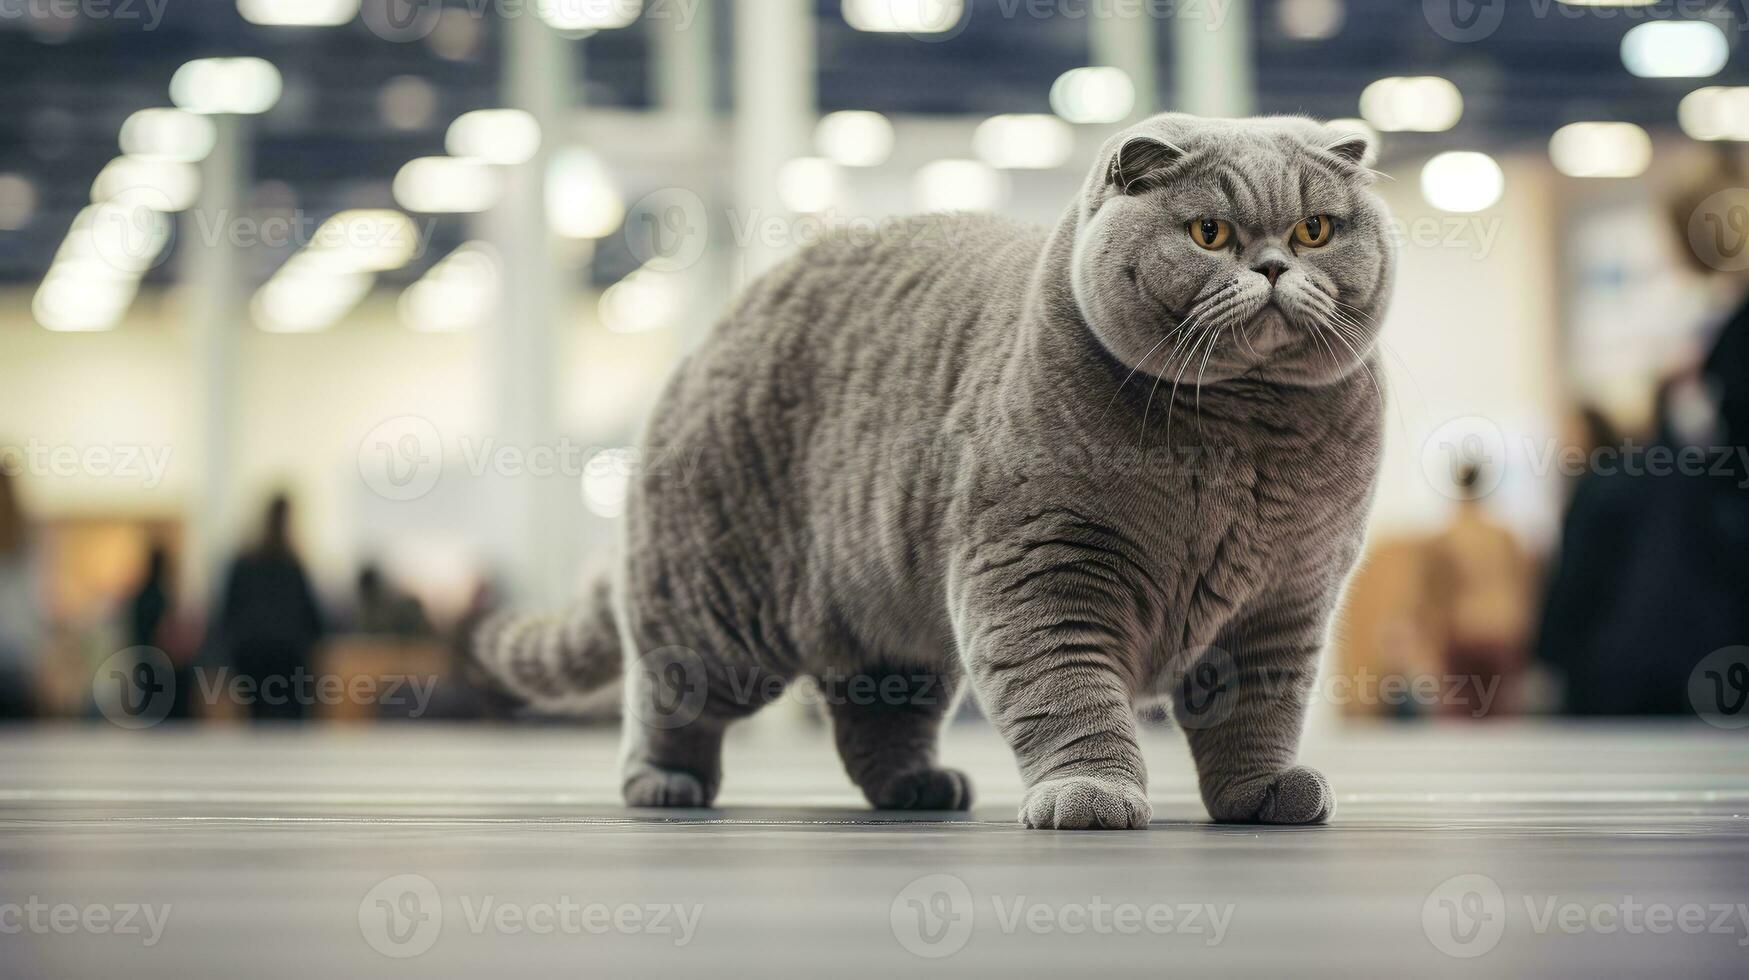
(967, 450)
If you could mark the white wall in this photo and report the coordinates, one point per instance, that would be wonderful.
(1473, 332)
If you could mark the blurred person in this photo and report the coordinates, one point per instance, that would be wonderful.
(1654, 574)
(1478, 596)
(20, 625)
(1603, 507)
(384, 609)
(154, 620)
(268, 621)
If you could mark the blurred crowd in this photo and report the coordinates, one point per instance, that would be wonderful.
(268, 649)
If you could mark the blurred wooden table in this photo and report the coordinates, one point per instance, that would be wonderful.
(1487, 851)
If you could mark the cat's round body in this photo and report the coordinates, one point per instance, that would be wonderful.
(962, 449)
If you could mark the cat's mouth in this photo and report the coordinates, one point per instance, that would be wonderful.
(1268, 332)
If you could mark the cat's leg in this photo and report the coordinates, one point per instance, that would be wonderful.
(1053, 650)
(885, 722)
(678, 705)
(1242, 708)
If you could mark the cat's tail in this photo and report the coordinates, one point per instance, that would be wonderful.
(547, 662)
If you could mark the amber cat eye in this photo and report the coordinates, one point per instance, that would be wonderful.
(1210, 233)
(1315, 232)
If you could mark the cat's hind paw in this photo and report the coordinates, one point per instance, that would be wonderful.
(924, 789)
(648, 785)
(1297, 795)
(1085, 803)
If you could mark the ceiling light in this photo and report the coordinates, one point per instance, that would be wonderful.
(244, 86)
(447, 185)
(1675, 49)
(1310, 20)
(168, 134)
(1024, 142)
(1601, 149)
(458, 293)
(854, 138)
(904, 16)
(808, 185)
(502, 136)
(582, 199)
(589, 15)
(298, 13)
(162, 185)
(1093, 95)
(1716, 112)
(1462, 181)
(1416, 103)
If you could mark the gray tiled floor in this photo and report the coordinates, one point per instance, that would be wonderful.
(271, 852)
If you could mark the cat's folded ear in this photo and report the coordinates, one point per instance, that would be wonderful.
(1143, 162)
(1358, 150)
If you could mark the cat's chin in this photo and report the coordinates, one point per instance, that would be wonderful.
(1268, 334)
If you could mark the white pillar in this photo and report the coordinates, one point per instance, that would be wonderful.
(775, 104)
(686, 63)
(218, 315)
(538, 516)
(1125, 37)
(1213, 60)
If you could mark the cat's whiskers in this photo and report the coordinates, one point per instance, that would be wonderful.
(1212, 332)
(1336, 330)
(1178, 330)
(1386, 346)
(1356, 331)
(1202, 311)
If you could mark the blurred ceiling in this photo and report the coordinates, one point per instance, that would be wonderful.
(329, 143)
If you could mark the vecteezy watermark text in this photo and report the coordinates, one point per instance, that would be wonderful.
(934, 917)
(1467, 916)
(137, 687)
(37, 459)
(40, 918)
(404, 916)
(148, 13)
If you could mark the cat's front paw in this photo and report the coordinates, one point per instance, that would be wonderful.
(1085, 803)
(1297, 795)
(648, 785)
(924, 789)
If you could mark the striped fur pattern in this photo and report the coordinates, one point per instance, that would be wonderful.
(1075, 470)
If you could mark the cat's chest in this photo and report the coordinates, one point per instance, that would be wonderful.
(1246, 525)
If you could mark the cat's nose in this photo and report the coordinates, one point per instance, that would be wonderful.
(1273, 268)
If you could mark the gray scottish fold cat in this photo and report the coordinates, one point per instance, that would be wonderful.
(1123, 460)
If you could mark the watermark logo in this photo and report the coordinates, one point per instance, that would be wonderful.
(932, 917)
(402, 916)
(1207, 694)
(677, 687)
(1718, 230)
(1464, 21)
(132, 231)
(402, 21)
(1470, 443)
(667, 230)
(135, 688)
(401, 459)
(1718, 688)
(1465, 916)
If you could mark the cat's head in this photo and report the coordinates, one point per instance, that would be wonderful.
(1208, 249)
